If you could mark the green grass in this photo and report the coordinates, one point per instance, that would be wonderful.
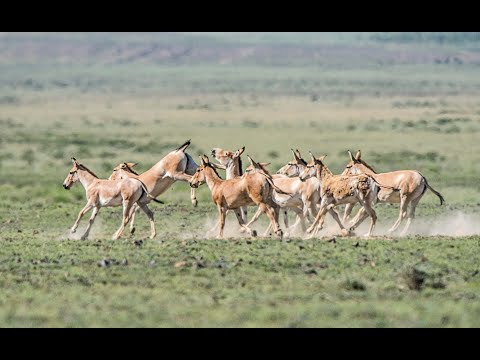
(52, 281)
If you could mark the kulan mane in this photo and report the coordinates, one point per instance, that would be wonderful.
(240, 165)
(368, 166)
(83, 167)
(215, 170)
(131, 170)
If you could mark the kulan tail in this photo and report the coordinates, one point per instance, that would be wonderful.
(442, 199)
(184, 146)
(150, 195)
(275, 187)
(381, 185)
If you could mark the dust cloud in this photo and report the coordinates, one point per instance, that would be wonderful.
(452, 223)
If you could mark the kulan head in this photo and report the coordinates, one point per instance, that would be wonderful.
(199, 177)
(72, 176)
(118, 171)
(295, 167)
(311, 168)
(352, 168)
(251, 168)
(224, 157)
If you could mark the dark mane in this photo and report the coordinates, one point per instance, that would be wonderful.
(368, 166)
(240, 165)
(184, 145)
(303, 161)
(263, 168)
(215, 170)
(131, 170)
(87, 170)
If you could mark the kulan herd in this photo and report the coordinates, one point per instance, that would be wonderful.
(309, 189)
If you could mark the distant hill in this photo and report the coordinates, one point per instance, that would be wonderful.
(298, 49)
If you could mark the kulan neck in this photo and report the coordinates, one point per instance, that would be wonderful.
(211, 177)
(85, 178)
(323, 172)
(364, 169)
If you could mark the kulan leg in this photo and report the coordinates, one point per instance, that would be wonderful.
(348, 211)
(238, 214)
(149, 214)
(80, 215)
(222, 212)
(127, 205)
(310, 209)
(360, 217)
(403, 212)
(320, 219)
(181, 176)
(336, 217)
(193, 197)
(321, 213)
(276, 211)
(300, 218)
(411, 215)
(371, 212)
(270, 212)
(244, 212)
(255, 217)
(269, 230)
(132, 218)
(90, 222)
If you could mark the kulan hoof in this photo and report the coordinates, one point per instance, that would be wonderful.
(254, 233)
(279, 233)
(194, 203)
(132, 231)
(73, 231)
(345, 232)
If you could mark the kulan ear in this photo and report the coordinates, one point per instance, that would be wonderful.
(131, 165)
(264, 164)
(201, 159)
(322, 157)
(313, 157)
(254, 164)
(295, 156)
(298, 154)
(205, 159)
(358, 155)
(351, 156)
(75, 162)
(239, 152)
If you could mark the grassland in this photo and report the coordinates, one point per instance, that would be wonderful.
(419, 113)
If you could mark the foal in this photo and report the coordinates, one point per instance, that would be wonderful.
(101, 193)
